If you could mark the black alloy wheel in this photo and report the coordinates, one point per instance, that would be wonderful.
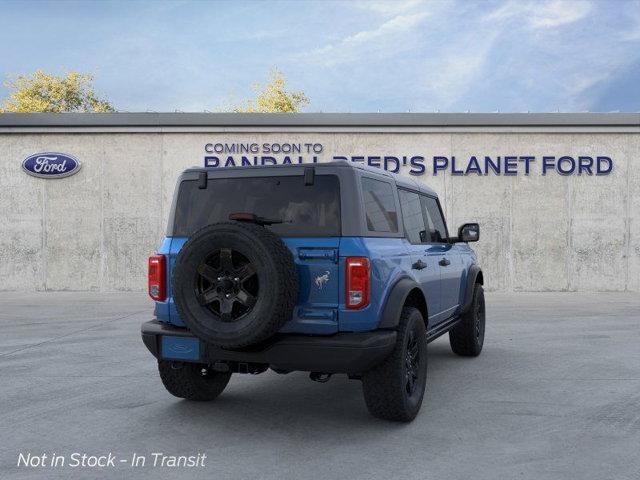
(412, 363)
(227, 284)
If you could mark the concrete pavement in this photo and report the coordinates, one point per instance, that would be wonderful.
(554, 395)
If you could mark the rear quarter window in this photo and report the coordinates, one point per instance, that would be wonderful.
(306, 210)
(411, 208)
(379, 206)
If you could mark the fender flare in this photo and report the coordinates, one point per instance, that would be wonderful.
(472, 279)
(395, 301)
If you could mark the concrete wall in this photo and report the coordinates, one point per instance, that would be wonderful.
(94, 230)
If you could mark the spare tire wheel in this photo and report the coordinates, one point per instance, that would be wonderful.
(234, 284)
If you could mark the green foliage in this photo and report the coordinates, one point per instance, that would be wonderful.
(42, 92)
(274, 98)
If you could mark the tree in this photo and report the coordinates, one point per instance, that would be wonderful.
(42, 92)
(274, 98)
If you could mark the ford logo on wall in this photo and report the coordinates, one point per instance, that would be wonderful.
(51, 165)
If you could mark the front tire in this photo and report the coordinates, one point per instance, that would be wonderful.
(394, 389)
(467, 337)
(192, 381)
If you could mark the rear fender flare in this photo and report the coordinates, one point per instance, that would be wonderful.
(396, 301)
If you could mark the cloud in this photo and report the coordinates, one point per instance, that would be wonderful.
(566, 69)
(510, 55)
(389, 8)
(391, 37)
(632, 33)
(398, 24)
(453, 72)
(541, 15)
(557, 13)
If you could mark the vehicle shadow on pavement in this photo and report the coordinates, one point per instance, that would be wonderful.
(283, 402)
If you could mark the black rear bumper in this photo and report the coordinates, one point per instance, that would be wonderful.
(339, 353)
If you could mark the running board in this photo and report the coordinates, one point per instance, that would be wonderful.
(441, 328)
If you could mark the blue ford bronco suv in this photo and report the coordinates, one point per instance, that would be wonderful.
(330, 268)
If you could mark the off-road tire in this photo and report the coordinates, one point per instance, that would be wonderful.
(276, 272)
(467, 337)
(192, 381)
(385, 386)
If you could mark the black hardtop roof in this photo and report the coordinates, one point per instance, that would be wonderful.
(400, 180)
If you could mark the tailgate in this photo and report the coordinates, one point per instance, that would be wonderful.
(316, 311)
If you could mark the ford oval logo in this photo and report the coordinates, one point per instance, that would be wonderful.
(51, 165)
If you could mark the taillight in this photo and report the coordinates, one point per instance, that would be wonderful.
(357, 281)
(157, 278)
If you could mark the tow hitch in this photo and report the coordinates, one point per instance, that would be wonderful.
(320, 377)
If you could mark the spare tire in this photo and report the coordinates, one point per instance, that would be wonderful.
(234, 284)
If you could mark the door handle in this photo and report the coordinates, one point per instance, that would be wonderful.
(419, 265)
(444, 262)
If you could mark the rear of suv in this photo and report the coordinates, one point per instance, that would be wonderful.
(330, 268)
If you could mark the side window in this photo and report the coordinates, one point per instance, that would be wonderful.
(379, 206)
(437, 228)
(412, 216)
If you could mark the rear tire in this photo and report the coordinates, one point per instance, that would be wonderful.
(467, 337)
(192, 381)
(394, 389)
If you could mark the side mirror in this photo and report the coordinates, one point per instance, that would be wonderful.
(469, 232)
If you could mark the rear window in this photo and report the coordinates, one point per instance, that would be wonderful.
(306, 211)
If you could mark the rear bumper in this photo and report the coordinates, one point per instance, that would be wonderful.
(338, 353)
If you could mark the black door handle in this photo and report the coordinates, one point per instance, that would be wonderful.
(444, 262)
(419, 265)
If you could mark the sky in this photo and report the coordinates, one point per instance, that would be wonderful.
(347, 56)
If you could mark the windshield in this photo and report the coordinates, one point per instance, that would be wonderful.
(305, 210)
